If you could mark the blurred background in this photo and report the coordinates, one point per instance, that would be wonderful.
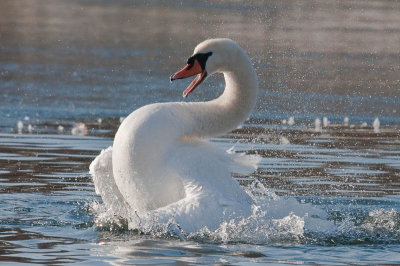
(84, 59)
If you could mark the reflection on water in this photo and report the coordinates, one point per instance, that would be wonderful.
(63, 63)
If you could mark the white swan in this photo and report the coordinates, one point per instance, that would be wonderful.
(161, 163)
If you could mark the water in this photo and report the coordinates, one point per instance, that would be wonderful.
(64, 63)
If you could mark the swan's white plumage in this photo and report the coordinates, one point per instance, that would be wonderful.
(208, 201)
(162, 171)
(161, 163)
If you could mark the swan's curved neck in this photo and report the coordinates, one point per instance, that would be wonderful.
(233, 107)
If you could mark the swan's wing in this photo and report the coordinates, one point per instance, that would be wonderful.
(242, 163)
(202, 163)
(101, 171)
(235, 162)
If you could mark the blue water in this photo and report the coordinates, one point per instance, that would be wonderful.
(93, 62)
(47, 199)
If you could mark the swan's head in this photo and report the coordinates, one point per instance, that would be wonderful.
(209, 57)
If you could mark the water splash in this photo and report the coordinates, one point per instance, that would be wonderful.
(317, 125)
(20, 126)
(325, 121)
(376, 124)
(346, 121)
(379, 226)
(273, 219)
(79, 129)
(290, 121)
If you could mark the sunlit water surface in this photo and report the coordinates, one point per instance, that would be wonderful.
(92, 62)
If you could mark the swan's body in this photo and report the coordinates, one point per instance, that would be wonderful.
(160, 159)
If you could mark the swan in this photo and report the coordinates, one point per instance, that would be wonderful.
(161, 162)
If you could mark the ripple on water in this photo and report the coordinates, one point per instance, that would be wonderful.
(356, 189)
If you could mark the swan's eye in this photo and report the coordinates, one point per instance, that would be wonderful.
(201, 58)
(190, 61)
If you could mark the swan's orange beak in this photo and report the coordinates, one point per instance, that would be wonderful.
(188, 71)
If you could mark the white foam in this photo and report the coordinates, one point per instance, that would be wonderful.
(346, 121)
(20, 125)
(290, 121)
(379, 226)
(325, 121)
(79, 129)
(376, 124)
(317, 124)
(284, 141)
